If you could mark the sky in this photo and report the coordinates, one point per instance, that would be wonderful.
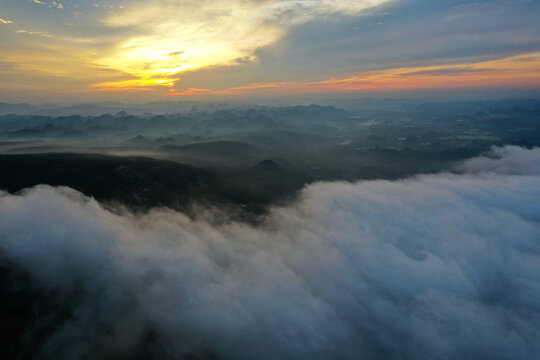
(74, 50)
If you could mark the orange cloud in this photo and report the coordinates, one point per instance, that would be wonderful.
(191, 91)
(148, 84)
(40, 33)
(523, 71)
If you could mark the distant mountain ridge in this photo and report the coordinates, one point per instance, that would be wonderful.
(193, 123)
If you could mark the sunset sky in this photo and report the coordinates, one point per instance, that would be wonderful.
(74, 50)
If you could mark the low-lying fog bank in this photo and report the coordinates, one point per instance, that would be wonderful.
(441, 266)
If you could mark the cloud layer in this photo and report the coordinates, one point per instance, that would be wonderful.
(438, 266)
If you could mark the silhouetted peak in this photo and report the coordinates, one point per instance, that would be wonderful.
(268, 165)
(121, 114)
(139, 139)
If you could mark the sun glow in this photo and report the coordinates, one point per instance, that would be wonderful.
(190, 35)
(182, 39)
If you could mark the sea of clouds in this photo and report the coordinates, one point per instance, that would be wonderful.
(440, 266)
